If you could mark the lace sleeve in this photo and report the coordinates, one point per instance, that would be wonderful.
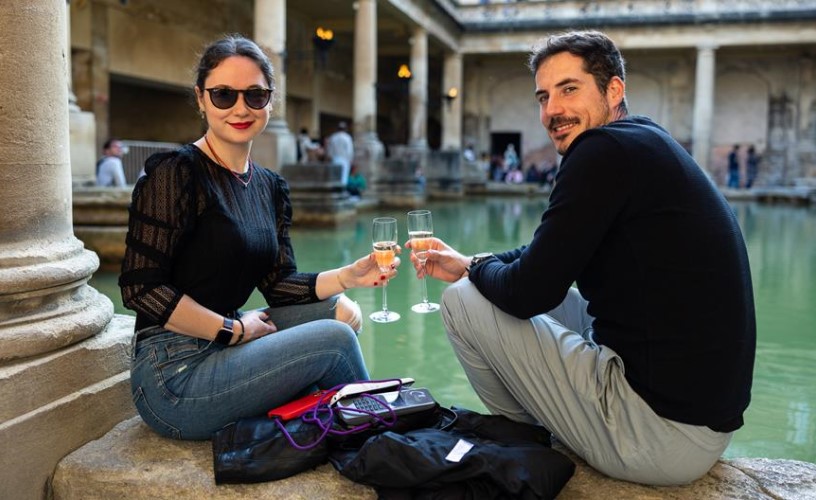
(160, 211)
(284, 285)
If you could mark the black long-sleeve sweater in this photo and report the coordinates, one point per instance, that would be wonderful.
(195, 229)
(657, 252)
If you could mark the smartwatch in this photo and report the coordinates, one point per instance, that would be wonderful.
(479, 257)
(224, 335)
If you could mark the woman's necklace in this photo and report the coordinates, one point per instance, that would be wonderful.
(224, 165)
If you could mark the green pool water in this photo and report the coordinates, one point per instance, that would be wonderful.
(781, 240)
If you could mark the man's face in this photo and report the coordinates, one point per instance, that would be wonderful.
(116, 149)
(570, 101)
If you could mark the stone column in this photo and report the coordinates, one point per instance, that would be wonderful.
(82, 127)
(275, 147)
(368, 150)
(61, 384)
(452, 112)
(418, 90)
(703, 106)
(100, 72)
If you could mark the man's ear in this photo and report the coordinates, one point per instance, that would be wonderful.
(615, 91)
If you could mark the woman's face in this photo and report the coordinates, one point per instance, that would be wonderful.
(240, 123)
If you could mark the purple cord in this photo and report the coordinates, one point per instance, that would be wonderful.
(313, 417)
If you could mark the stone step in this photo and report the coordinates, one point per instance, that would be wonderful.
(133, 462)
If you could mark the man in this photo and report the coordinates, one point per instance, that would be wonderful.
(109, 169)
(645, 368)
(340, 149)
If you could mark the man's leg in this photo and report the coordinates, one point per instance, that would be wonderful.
(541, 371)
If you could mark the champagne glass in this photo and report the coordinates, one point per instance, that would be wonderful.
(384, 237)
(420, 232)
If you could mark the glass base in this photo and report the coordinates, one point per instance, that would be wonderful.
(425, 307)
(384, 316)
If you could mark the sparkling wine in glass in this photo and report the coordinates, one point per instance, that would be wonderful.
(420, 232)
(384, 237)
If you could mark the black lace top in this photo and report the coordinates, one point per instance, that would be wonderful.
(195, 229)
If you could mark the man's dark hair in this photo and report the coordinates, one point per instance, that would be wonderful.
(108, 143)
(601, 56)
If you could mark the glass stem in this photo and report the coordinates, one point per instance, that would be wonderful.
(385, 298)
(424, 286)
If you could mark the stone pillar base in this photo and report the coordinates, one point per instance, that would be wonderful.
(318, 195)
(398, 185)
(444, 174)
(55, 403)
(369, 153)
(45, 303)
(275, 146)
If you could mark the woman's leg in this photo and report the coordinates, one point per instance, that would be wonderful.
(187, 388)
(338, 307)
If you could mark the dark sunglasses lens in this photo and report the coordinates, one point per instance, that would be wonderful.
(223, 98)
(257, 98)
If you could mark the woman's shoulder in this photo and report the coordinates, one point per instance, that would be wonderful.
(165, 162)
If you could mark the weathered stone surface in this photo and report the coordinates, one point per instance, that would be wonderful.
(131, 461)
(54, 403)
(745, 478)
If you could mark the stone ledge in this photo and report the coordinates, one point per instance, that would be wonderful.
(133, 462)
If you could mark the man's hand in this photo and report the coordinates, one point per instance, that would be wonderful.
(443, 263)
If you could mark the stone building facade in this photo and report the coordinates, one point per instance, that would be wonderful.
(714, 73)
(725, 72)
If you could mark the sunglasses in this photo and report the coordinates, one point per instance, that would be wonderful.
(224, 98)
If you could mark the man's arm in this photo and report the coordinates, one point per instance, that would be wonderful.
(592, 188)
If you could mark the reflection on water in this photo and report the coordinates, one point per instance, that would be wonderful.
(780, 422)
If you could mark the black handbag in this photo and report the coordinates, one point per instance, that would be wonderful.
(253, 450)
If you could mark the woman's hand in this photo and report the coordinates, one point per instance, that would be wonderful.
(256, 325)
(365, 273)
(443, 262)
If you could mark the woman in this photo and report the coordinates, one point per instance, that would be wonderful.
(207, 226)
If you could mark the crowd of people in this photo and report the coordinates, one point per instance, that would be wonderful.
(752, 161)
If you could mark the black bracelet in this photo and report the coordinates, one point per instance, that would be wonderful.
(243, 329)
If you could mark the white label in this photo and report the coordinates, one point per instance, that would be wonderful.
(459, 451)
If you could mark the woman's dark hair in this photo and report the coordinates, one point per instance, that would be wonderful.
(601, 56)
(233, 45)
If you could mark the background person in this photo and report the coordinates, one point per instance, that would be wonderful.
(308, 150)
(644, 370)
(356, 182)
(207, 227)
(340, 149)
(751, 167)
(109, 169)
(733, 167)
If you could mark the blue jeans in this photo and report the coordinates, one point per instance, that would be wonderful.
(187, 388)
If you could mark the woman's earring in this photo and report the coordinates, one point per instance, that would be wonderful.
(201, 112)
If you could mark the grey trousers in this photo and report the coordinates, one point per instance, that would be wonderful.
(547, 370)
